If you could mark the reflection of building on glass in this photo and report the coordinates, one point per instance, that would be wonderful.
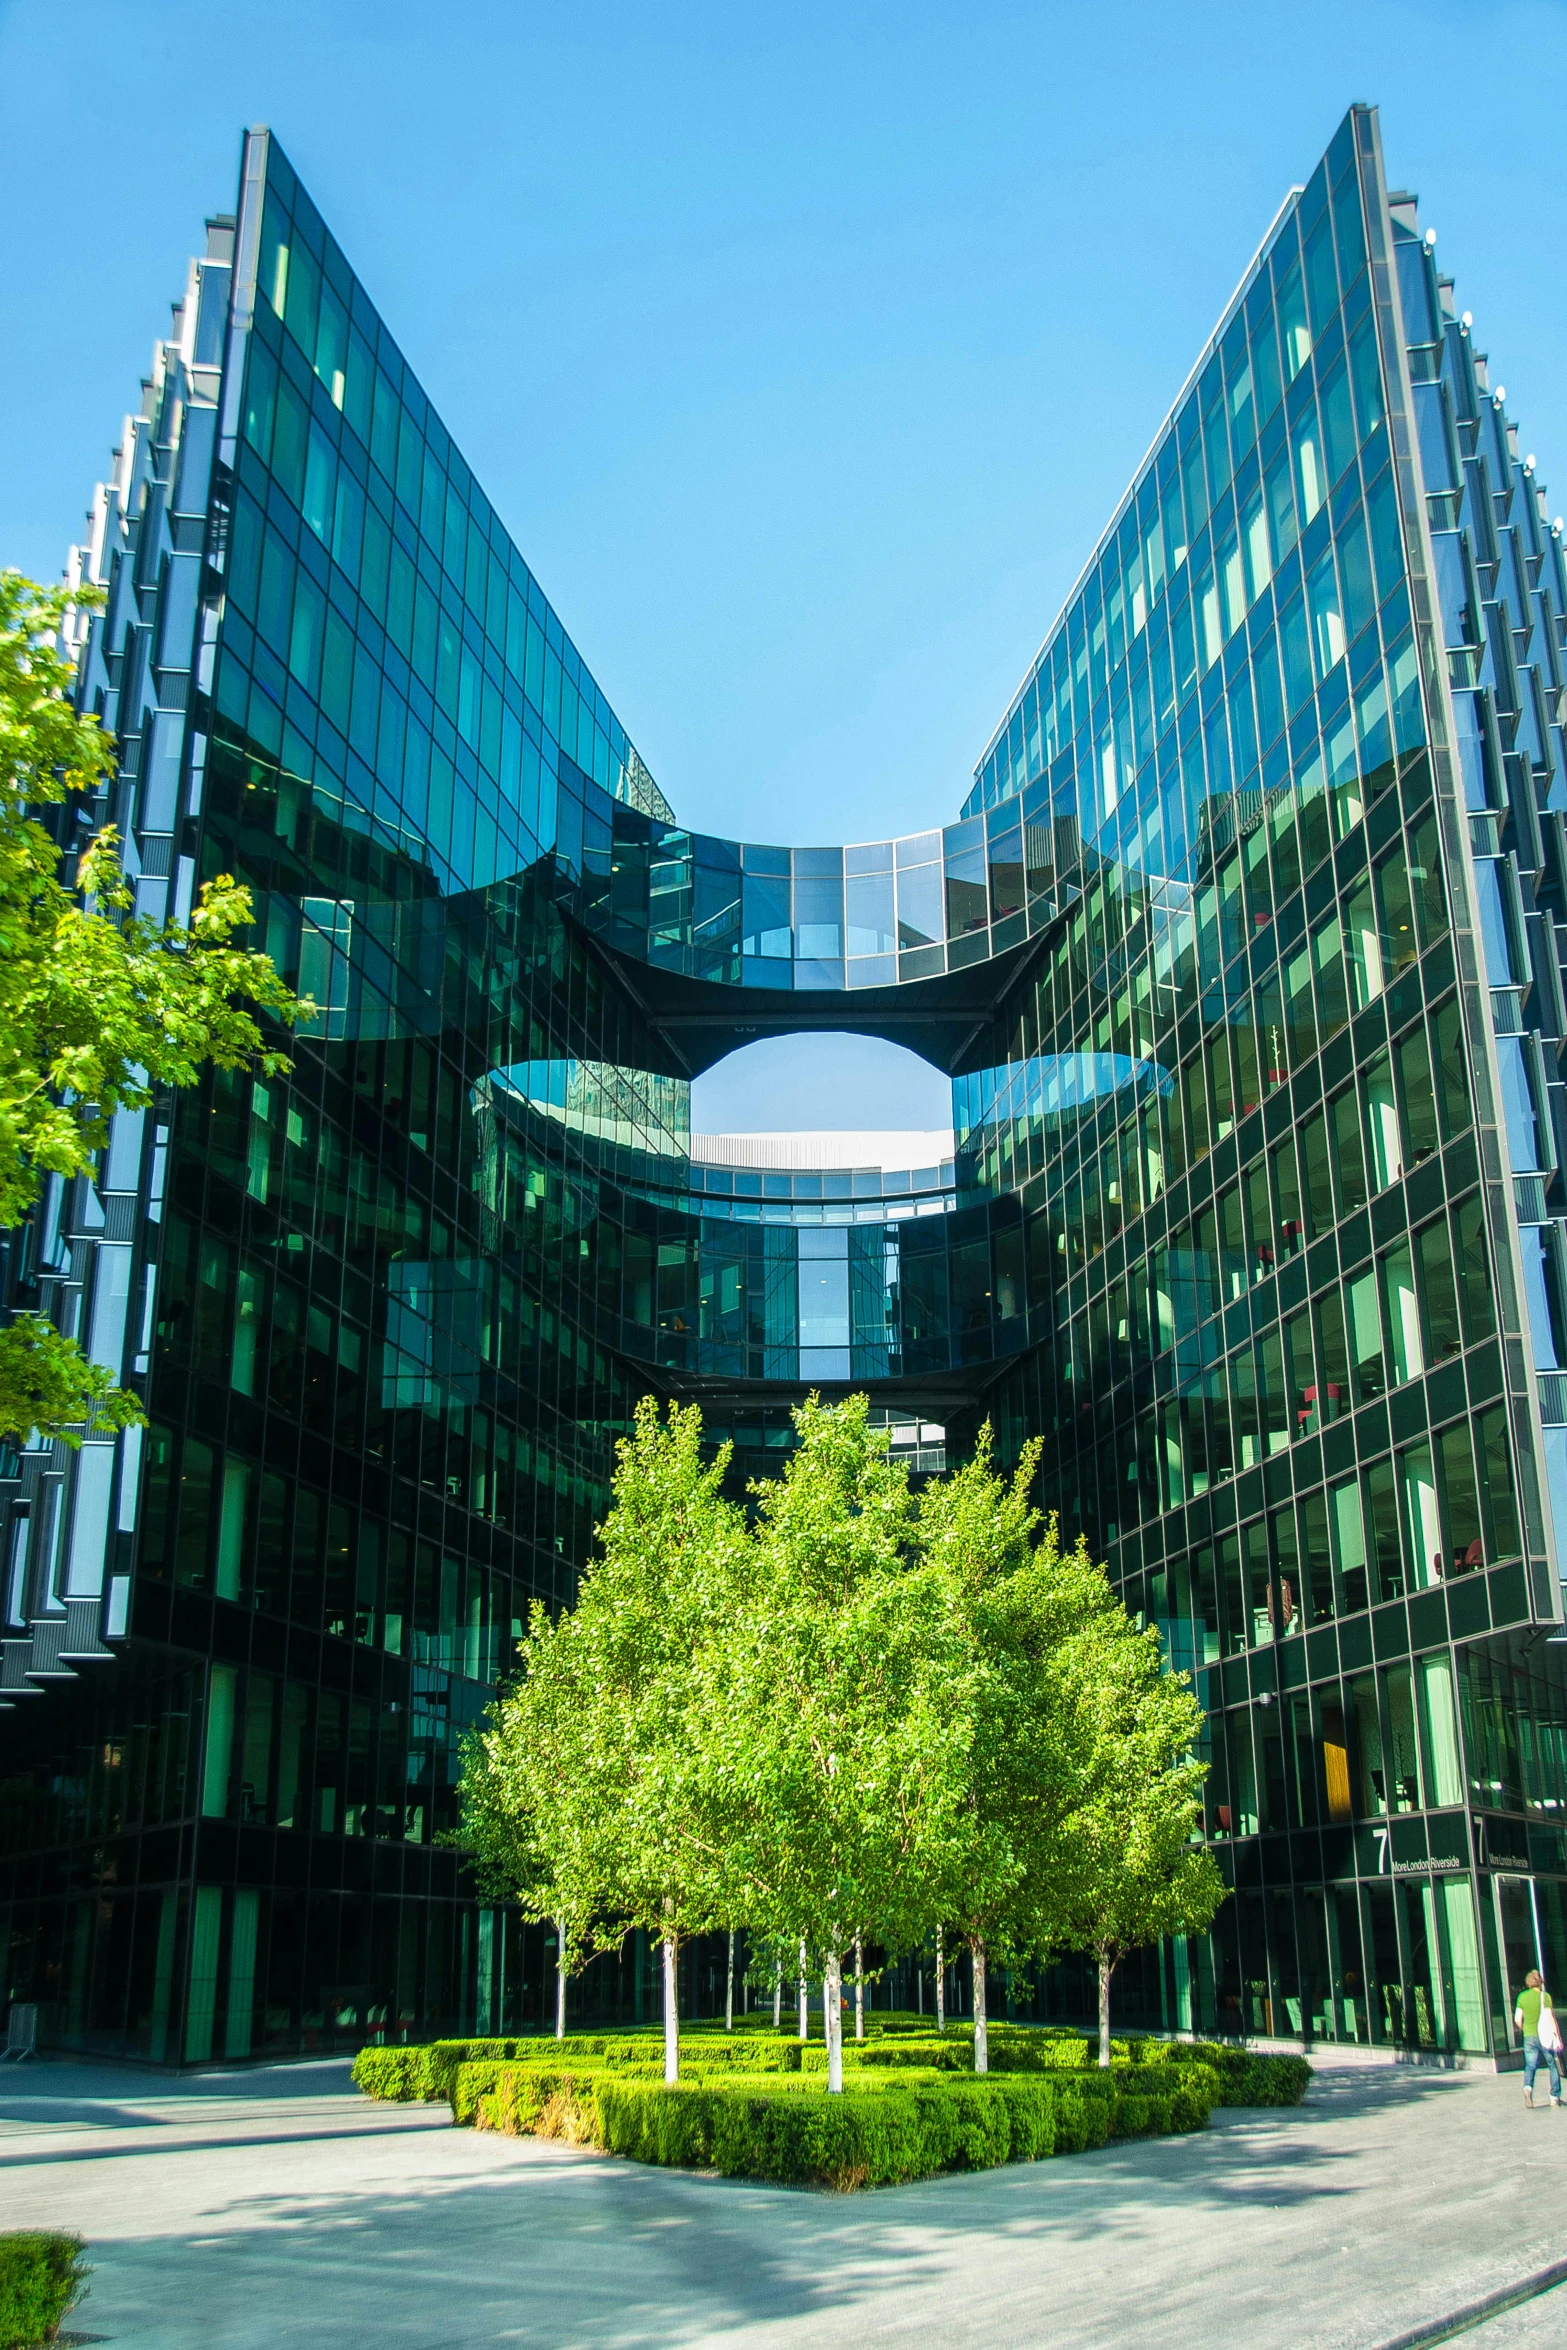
(1243, 956)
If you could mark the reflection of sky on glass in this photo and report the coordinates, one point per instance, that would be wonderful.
(633, 1108)
(1051, 1087)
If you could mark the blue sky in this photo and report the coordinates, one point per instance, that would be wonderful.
(805, 351)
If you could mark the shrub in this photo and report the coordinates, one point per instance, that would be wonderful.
(1082, 2117)
(1051, 2052)
(940, 2055)
(42, 2277)
(1032, 2110)
(896, 2124)
(396, 2075)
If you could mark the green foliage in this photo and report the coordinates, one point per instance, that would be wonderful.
(1129, 1868)
(429, 2072)
(100, 1006)
(863, 1721)
(586, 1795)
(876, 2135)
(836, 1707)
(395, 2076)
(1048, 1637)
(1239, 2076)
(42, 2278)
(1249, 2078)
(47, 1383)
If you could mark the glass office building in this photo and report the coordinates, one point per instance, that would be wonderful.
(1242, 955)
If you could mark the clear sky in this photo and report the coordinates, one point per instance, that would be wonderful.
(805, 350)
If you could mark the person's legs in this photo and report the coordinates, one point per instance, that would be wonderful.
(1532, 2053)
(1556, 2077)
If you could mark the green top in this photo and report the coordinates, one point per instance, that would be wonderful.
(1529, 2010)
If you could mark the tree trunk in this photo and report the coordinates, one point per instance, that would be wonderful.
(560, 1978)
(941, 1986)
(671, 2010)
(919, 1986)
(832, 2019)
(859, 1988)
(805, 2012)
(778, 1997)
(976, 1958)
(1106, 1969)
(729, 1996)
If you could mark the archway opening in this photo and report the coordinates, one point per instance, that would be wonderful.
(807, 1084)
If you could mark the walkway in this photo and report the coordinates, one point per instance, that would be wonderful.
(275, 2207)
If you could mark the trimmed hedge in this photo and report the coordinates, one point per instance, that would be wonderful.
(404, 2075)
(42, 2278)
(711, 2056)
(789, 2131)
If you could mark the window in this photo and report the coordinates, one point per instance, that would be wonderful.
(1349, 1544)
(1364, 1326)
(1232, 1245)
(1496, 1483)
(1439, 1723)
(1259, 1583)
(1382, 1128)
(1434, 1248)
(1368, 1742)
(1472, 1263)
(1332, 999)
(1332, 1394)
(1447, 1053)
(1422, 1519)
(1349, 1164)
(1403, 1313)
(1259, 1215)
(1318, 1179)
(1425, 879)
(1316, 1559)
(1404, 1747)
(1363, 941)
(1284, 1181)
(1291, 1611)
(1417, 1096)
(1275, 1407)
(1460, 1502)
(1387, 1558)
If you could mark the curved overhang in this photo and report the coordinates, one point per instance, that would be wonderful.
(698, 1022)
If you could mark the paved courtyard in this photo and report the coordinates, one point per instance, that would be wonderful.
(276, 2206)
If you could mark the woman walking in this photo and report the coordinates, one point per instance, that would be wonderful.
(1542, 2036)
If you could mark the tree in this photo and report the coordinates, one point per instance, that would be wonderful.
(524, 1842)
(99, 1007)
(1036, 1617)
(837, 1708)
(1132, 1872)
(591, 1779)
(978, 1529)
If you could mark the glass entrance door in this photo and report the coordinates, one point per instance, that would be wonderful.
(1518, 1931)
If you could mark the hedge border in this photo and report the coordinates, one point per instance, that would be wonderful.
(42, 2279)
(792, 2133)
(429, 2072)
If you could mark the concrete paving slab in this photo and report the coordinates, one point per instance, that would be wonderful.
(275, 2206)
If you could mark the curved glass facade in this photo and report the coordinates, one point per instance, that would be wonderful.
(1244, 958)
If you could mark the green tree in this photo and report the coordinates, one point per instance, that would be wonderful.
(98, 1007)
(1032, 1615)
(524, 1843)
(590, 1783)
(1131, 1872)
(837, 1707)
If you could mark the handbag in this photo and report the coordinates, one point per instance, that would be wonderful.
(1549, 2033)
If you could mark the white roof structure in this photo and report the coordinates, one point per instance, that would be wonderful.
(891, 1148)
